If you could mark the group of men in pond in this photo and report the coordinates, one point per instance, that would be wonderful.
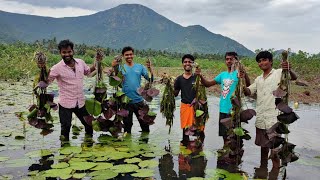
(69, 74)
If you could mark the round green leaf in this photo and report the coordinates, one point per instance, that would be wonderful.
(148, 163)
(79, 175)
(39, 153)
(102, 166)
(81, 166)
(61, 165)
(93, 107)
(103, 174)
(70, 150)
(132, 160)
(125, 168)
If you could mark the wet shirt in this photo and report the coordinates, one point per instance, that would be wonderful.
(70, 82)
(186, 86)
(266, 108)
(228, 83)
(132, 80)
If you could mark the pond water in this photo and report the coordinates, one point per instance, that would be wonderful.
(163, 156)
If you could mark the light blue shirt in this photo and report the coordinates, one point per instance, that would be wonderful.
(228, 82)
(132, 80)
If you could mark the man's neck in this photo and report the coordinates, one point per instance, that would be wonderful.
(130, 64)
(187, 74)
(266, 72)
(70, 63)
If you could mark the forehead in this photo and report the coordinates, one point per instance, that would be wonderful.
(128, 52)
(230, 57)
(66, 49)
(264, 59)
(187, 59)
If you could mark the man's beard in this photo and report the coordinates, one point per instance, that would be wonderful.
(67, 60)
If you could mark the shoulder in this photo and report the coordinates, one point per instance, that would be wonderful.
(56, 66)
(79, 61)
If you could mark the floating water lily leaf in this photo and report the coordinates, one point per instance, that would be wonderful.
(33, 173)
(101, 159)
(84, 155)
(6, 133)
(18, 163)
(6, 176)
(93, 107)
(61, 165)
(196, 178)
(104, 174)
(2, 158)
(62, 173)
(79, 175)
(70, 150)
(39, 153)
(199, 113)
(59, 157)
(223, 174)
(132, 160)
(125, 168)
(143, 174)
(102, 166)
(123, 149)
(148, 163)
(81, 166)
(239, 131)
(148, 155)
(119, 155)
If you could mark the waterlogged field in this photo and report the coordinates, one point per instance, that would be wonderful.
(26, 154)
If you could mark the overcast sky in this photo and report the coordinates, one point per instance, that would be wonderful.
(278, 24)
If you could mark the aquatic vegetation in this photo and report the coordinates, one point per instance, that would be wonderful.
(39, 115)
(286, 117)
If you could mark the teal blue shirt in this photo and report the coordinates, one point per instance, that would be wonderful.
(132, 80)
(228, 82)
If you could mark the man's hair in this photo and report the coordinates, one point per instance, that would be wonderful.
(65, 44)
(231, 53)
(265, 55)
(127, 48)
(187, 56)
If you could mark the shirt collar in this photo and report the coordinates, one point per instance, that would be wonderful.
(63, 63)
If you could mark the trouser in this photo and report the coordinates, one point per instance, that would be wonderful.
(128, 121)
(65, 116)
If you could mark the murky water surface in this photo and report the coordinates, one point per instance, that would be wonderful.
(169, 160)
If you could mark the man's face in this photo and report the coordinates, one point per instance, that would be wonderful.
(264, 63)
(66, 54)
(187, 64)
(229, 61)
(128, 56)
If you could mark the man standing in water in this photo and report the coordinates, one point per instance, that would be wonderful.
(69, 73)
(185, 83)
(263, 86)
(132, 79)
(228, 81)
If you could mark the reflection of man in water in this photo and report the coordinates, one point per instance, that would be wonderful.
(189, 166)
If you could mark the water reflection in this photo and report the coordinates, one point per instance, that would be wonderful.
(190, 161)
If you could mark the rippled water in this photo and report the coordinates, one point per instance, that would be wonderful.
(305, 133)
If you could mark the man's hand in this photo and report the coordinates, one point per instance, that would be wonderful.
(116, 61)
(198, 71)
(285, 65)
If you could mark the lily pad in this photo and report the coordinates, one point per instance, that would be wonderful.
(81, 166)
(39, 153)
(148, 155)
(132, 160)
(70, 150)
(79, 175)
(62, 173)
(104, 174)
(3, 158)
(143, 174)
(125, 168)
(102, 166)
(61, 165)
(93, 107)
(148, 163)
(18, 163)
